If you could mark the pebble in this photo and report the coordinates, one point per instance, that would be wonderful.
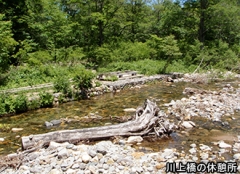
(222, 144)
(129, 110)
(63, 153)
(85, 157)
(17, 129)
(236, 156)
(134, 139)
(187, 124)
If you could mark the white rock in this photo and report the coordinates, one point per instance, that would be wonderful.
(204, 156)
(82, 148)
(188, 124)
(205, 147)
(63, 153)
(55, 171)
(17, 129)
(236, 156)
(192, 150)
(85, 157)
(222, 144)
(134, 139)
(193, 145)
(2, 139)
(70, 171)
(192, 123)
(129, 110)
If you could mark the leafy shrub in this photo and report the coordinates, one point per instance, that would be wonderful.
(20, 104)
(7, 104)
(33, 104)
(62, 84)
(83, 79)
(46, 99)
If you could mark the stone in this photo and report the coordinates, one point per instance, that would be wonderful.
(168, 153)
(92, 153)
(101, 149)
(85, 157)
(160, 165)
(17, 129)
(204, 156)
(192, 150)
(48, 124)
(56, 122)
(236, 156)
(54, 145)
(75, 166)
(187, 124)
(55, 171)
(105, 166)
(34, 155)
(222, 144)
(82, 166)
(193, 145)
(95, 159)
(63, 153)
(129, 110)
(92, 169)
(205, 147)
(134, 139)
(2, 139)
(70, 171)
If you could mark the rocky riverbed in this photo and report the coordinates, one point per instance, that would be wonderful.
(106, 157)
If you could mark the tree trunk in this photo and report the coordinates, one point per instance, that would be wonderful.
(146, 120)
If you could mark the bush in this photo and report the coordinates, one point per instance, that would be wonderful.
(33, 104)
(6, 104)
(62, 84)
(20, 104)
(46, 99)
(83, 79)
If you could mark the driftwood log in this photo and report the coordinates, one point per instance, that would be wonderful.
(147, 120)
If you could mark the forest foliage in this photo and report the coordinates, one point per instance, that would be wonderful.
(42, 38)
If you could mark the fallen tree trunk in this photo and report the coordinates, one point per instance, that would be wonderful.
(147, 120)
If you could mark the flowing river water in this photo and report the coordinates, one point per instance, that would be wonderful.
(111, 105)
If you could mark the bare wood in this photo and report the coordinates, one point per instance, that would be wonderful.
(146, 119)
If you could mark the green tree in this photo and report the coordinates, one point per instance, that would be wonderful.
(7, 44)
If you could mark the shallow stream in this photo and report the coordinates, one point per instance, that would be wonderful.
(111, 105)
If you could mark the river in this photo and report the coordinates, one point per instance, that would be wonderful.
(112, 104)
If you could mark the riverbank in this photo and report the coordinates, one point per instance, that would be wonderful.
(106, 157)
(15, 101)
